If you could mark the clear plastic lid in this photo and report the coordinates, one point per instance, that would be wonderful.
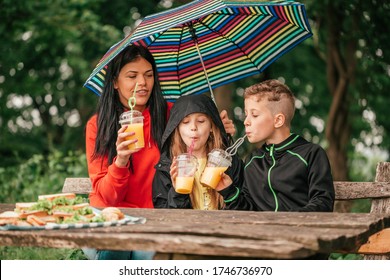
(220, 157)
(130, 116)
(187, 157)
(187, 164)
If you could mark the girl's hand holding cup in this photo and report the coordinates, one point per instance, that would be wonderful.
(173, 172)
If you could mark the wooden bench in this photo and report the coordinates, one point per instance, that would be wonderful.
(77, 185)
(378, 245)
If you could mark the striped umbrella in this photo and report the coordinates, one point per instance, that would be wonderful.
(208, 43)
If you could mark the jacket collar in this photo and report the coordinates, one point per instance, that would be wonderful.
(292, 141)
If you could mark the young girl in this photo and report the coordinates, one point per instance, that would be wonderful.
(194, 119)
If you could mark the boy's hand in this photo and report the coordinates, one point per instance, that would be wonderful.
(225, 182)
(227, 123)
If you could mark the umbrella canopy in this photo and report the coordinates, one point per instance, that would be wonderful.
(208, 43)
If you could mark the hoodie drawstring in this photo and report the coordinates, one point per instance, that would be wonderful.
(271, 153)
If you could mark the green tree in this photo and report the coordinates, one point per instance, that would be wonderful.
(341, 77)
(49, 49)
(352, 41)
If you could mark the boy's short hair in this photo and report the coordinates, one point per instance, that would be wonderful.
(280, 97)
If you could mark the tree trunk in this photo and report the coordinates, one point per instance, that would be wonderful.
(340, 70)
(337, 132)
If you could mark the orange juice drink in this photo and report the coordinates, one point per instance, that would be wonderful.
(138, 129)
(186, 167)
(134, 121)
(212, 175)
(184, 184)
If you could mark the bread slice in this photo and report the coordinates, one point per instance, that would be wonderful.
(24, 205)
(53, 196)
(49, 219)
(61, 214)
(35, 220)
(80, 206)
(39, 213)
(21, 223)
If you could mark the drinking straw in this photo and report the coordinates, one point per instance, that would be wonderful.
(191, 148)
(232, 150)
(132, 101)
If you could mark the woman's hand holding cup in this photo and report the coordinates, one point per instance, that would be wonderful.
(122, 147)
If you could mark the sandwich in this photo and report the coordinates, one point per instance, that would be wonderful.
(32, 208)
(8, 217)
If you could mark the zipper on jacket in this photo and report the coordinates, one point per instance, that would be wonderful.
(271, 153)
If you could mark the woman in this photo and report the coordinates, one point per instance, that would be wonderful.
(122, 177)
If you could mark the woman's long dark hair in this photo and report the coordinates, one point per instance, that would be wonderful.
(110, 108)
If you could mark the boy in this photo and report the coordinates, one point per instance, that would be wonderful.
(287, 173)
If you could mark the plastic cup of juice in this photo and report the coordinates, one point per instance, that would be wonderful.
(135, 123)
(186, 167)
(218, 162)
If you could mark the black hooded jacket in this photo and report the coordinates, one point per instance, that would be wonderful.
(164, 195)
(294, 175)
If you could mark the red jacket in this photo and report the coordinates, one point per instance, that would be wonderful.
(115, 186)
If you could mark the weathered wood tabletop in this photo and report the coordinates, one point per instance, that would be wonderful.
(210, 234)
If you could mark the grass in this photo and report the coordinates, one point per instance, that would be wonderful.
(35, 253)
(337, 256)
(31, 253)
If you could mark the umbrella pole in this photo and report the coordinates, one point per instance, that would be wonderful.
(205, 72)
(195, 38)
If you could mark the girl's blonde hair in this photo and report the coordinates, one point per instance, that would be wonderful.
(214, 141)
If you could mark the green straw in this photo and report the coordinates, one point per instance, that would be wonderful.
(132, 101)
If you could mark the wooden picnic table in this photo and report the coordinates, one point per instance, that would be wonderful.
(196, 234)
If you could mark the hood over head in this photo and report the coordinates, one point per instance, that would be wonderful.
(186, 105)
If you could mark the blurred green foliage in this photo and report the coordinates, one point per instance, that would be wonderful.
(40, 175)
